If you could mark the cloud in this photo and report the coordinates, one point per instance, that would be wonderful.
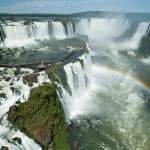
(40, 6)
(59, 5)
(75, 5)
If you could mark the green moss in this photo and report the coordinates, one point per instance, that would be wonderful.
(4, 148)
(61, 142)
(42, 117)
(30, 79)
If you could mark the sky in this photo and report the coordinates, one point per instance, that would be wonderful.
(72, 6)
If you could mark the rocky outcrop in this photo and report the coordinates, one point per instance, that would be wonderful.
(30, 79)
(42, 118)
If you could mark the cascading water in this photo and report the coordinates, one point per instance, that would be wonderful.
(41, 30)
(78, 78)
(134, 41)
(102, 29)
(97, 29)
(58, 30)
(70, 31)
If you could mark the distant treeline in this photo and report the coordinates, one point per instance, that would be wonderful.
(34, 15)
(89, 14)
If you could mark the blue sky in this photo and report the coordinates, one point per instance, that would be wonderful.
(71, 6)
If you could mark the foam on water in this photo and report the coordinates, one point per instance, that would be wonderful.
(146, 60)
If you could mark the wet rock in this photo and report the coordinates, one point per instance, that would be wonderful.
(3, 95)
(5, 72)
(7, 78)
(15, 90)
(18, 102)
(11, 84)
(30, 79)
(18, 140)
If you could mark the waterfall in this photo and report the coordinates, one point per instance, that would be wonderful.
(97, 29)
(41, 30)
(134, 41)
(78, 79)
(58, 30)
(70, 31)
(83, 27)
(102, 29)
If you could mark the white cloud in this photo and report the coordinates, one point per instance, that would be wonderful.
(59, 5)
(40, 6)
(75, 5)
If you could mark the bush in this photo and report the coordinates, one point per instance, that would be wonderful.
(27, 22)
(42, 117)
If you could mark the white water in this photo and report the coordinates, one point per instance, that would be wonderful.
(101, 30)
(134, 41)
(146, 60)
(70, 31)
(7, 131)
(58, 30)
(41, 30)
(78, 79)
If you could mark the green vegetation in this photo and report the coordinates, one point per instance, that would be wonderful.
(11, 19)
(3, 95)
(30, 79)
(42, 118)
(64, 19)
(4, 148)
(27, 21)
(57, 71)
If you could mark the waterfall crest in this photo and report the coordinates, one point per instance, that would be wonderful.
(103, 30)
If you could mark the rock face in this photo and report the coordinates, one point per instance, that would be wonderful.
(30, 79)
(42, 118)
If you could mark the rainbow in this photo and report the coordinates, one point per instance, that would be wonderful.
(124, 74)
